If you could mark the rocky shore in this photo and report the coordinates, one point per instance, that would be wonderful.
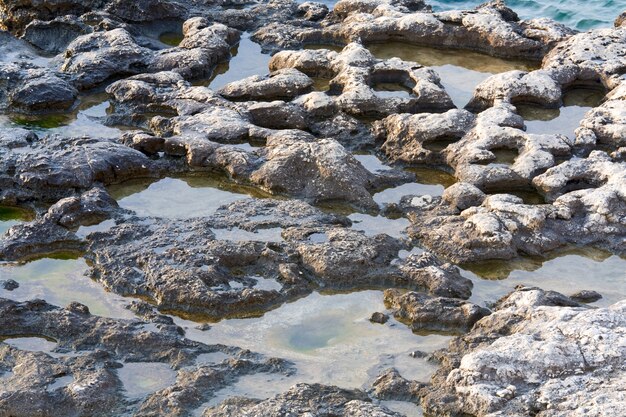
(292, 144)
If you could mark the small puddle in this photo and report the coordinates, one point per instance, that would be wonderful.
(391, 90)
(10, 216)
(60, 383)
(329, 338)
(372, 163)
(143, 378)
(247, 60)
(180, 198)
(31, 343)
(374, 225)
(171, 38)
(87, 120)
(460, 71)
(239, 235)
(406, 409)
(567, 273)
(429, 181)
(565, 120)
(60, 282)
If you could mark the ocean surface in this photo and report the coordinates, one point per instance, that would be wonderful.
(577, 14)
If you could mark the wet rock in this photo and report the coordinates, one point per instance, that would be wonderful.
(529, 355)
(201, 275)
(462, 195)
(34, 90)
(282, 84)
(423, 312)
(620, 20)
(17, 137)
(605, 125)
(53, 36)
(304, 399)
(92, 349)
(390, 385)
(55, 167)
(313, 10)
(100, 56)
(278, 115)
(378, 317)
(475, 157)
(318, 170)
(9, 284)
(355, 73)
(586, 296)
(16, 16)
(146, 10)
(491, 28)
(405, 136)
(537, 87)
(54, 231)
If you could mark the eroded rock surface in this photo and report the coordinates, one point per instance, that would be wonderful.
(537, 353)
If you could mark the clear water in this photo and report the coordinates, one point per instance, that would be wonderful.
(179, 198)
(568, 272)
(329, 338)
(10, 216)
(578, 14)
(460, 71)
(59, 282)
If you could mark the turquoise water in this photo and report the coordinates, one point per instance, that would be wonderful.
(578, 14)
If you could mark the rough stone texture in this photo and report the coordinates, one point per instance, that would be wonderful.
(282, 84)
(354, 73)
(533, 355)
(28, 89)
(89, 350)
(406, 135)
(491, 28)
(390, 385)
(423, 312)
(216, 278)
(53, 36)
(55, 167)
(499, 128)
(304, 399)
(53, 232)
(100, 56)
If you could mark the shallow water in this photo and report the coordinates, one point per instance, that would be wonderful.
(10, 216)
(143, 378)
(179, 198)
(330, 340)
(87, 120)
(59, 282)
(429, 181)
(568, 272)
(578, 14)
(565, 120)
(460, 71)
(247, 60)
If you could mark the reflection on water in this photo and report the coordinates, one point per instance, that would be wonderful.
(429, 181)
(31, 343)
(87, 120)
(10, 216)
(247, 60)
(143, 378)
(460, 71)
(564, 120)
(60, 282)
(392, 90)
(329, 338)
(179, 198)
(374, 225)
(171, 38)
(568, 272)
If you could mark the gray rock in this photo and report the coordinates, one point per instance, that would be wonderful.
(423, 312)
(532, 356)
